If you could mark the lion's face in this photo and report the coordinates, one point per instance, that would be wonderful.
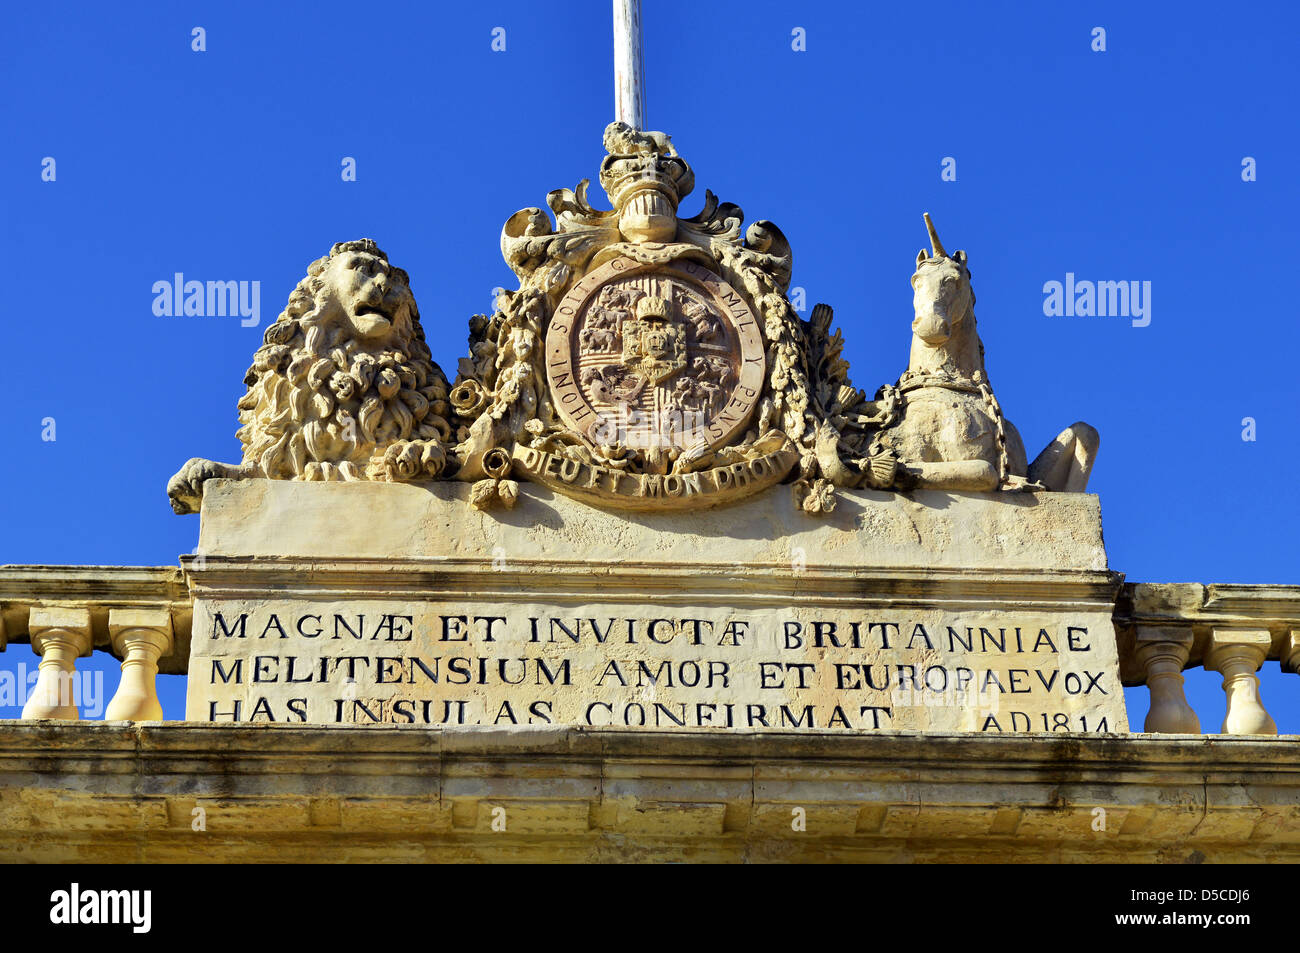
(365, 292)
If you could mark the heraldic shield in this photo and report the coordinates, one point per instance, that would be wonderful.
(654, 358)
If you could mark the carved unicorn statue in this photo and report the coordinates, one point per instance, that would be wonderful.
(941, 420)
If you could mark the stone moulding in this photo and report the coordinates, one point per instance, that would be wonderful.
(113, 793)
(867, 589)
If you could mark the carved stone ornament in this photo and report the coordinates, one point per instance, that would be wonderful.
(666, 359)
(343, 387)
(646, 361)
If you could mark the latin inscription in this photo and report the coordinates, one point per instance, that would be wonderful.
(772, 670)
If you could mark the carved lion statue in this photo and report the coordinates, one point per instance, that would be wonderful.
(343, 387)
(622, 140)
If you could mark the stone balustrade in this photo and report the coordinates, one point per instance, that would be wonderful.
(1165, 629)
(142, 616)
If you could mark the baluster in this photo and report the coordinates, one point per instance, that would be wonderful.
(1291, 652)
(141, 637)
(1163, 651)
(1237, 654)
(59, 636)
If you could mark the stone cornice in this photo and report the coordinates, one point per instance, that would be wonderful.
(751, 584)
(278, 792)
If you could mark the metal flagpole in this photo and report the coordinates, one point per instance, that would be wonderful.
(629, 77)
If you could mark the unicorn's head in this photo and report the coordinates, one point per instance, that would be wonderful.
(942, 298)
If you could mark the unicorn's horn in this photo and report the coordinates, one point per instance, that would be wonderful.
(935, 245)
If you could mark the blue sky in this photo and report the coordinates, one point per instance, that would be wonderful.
(225, 164)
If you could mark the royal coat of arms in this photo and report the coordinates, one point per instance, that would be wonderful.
(634, 366)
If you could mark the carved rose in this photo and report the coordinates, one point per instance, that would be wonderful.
(497, 463)
(468, 398)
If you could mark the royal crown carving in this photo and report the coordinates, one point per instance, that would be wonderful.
(646, 361)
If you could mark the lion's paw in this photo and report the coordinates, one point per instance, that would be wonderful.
(185, 489)
(409, 461)
(434, 458)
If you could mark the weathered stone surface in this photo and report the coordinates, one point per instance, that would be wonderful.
(114, 793)
(871, 529)
(363, 602)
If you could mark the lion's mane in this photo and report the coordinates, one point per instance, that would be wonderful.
(322, 405)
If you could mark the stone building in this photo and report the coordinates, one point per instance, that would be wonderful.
(647, 577)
